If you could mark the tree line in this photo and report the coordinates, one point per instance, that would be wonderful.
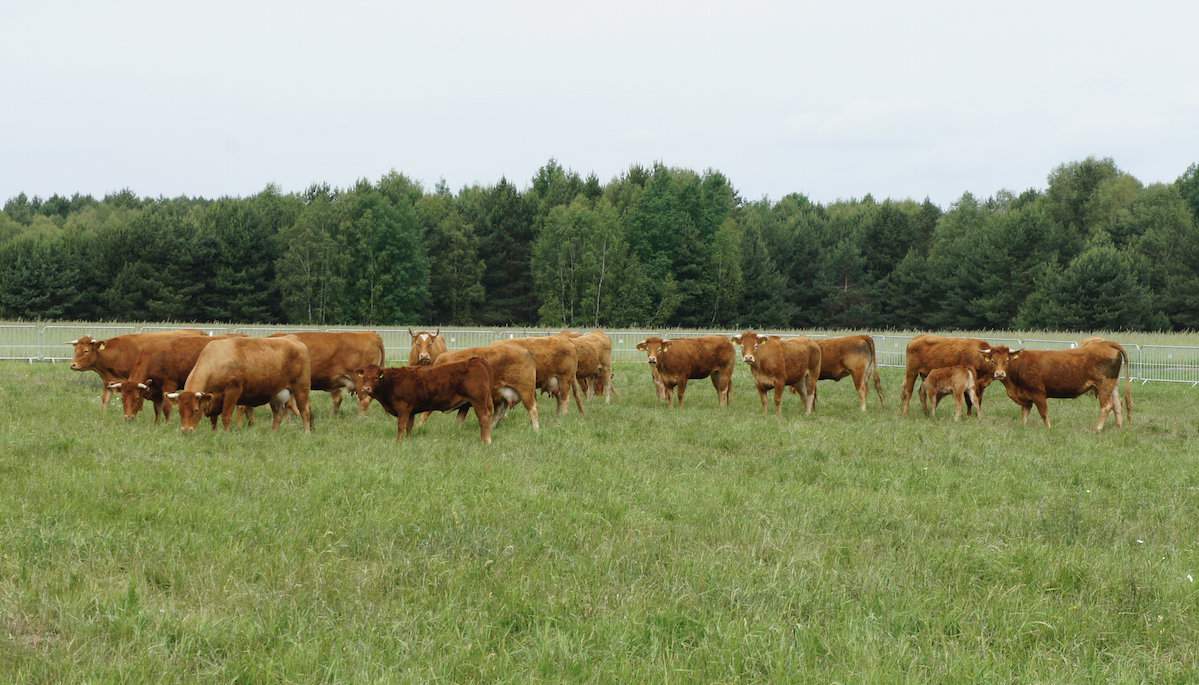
(657, 246)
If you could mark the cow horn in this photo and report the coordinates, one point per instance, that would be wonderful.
(411, 334)
(114, 386)
(74, 342)
(985, 350)
(143, 386)
(437, 331)
(173, 395)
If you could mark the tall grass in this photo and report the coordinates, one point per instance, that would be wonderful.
(635, 544)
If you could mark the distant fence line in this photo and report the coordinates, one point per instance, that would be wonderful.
(47, 342)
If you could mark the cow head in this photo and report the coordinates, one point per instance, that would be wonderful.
(653, 347)
(749, 342)
(999, 357)
(194, 406)
(87, 349)
(422, 346)
(365, 380)
(133, 395)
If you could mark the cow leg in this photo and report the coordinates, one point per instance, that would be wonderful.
(974, 399)
(303, 401)
(529, 399)
(335, 397)
(403, 418)
(230, 398)
(574, 390)
(213, 420)
(859, 382)
(607, 386)
(778, 399)
(905, 397)
(1116, 405)
(811, 381)
(1043, 410)
(978, 404)
(424, 418)
(958, 401)
(278, 412)
(483, 411)
(924, 399)
(462, 412)
(681, 389)
(762, 396)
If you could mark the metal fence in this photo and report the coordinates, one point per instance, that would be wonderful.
(48, 342)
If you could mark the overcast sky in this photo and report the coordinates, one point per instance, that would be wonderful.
(898, 99)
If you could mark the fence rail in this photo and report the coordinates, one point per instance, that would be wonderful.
(47, 342)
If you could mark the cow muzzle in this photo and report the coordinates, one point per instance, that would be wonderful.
(424, 359)
(74, 366)
(749, 359)
(187, 429)
(653, 361)
(1000, 375)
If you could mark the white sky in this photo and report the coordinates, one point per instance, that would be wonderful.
(832, 99)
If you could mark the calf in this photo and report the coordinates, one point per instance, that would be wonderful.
(949, 380)
(778, 364)
(247, 372)
(928, 352)
(407, 391)
(557, 368)
(852, 355)
(674, 362)
(426, 347)
(1032, 376)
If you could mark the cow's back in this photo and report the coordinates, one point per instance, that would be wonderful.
(333, 355)
(697, 357)
(928, 352)
(262, 366)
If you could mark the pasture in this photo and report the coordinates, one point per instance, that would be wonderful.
(635, 544)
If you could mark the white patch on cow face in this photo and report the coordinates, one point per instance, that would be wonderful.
(424, 336)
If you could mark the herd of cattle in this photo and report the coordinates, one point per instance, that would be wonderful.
(212, 376)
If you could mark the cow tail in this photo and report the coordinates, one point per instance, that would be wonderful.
(872, 371)
(1127, 382)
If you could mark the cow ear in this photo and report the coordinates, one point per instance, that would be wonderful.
(665, 346)
(762, 338)
(734, 338)
(641, 345)
(1015, 354)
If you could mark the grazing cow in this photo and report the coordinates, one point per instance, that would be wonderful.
(162, 367)
(674, 362)
(426, 347)
(247, 372)
(557, 368)
(114, 358)
(1032, 376)
(928, 352)
(335, 355)
(778, 364)
(450, 386)
(513, 377)
(852, 355)
(594, 374)
(949, 380)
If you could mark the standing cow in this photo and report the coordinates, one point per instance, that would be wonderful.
(451, 386)
(852, 355)
(928, 352)
(335, 355)
(1032, 376)
(426, 347)
(114, 358)
(557, 368)
(674, 362)
(249, 372)
(595, 362)
(778, 364)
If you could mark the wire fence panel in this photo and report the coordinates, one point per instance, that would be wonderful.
(48, 342)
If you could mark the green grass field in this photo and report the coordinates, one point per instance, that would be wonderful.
(636, 544)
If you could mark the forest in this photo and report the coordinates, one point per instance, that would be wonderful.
(655, 246)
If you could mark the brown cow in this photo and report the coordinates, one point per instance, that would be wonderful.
(852, 355)
(1032, 376)
(778, 364)
(928, 352)
(949, 380)
(162, 366)
(426, 347)
(557, 368)
(248, 372)
(594, 374)
(514, 378)
(675, 362)
(450, 386)
(334, 357)
(114, 357)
